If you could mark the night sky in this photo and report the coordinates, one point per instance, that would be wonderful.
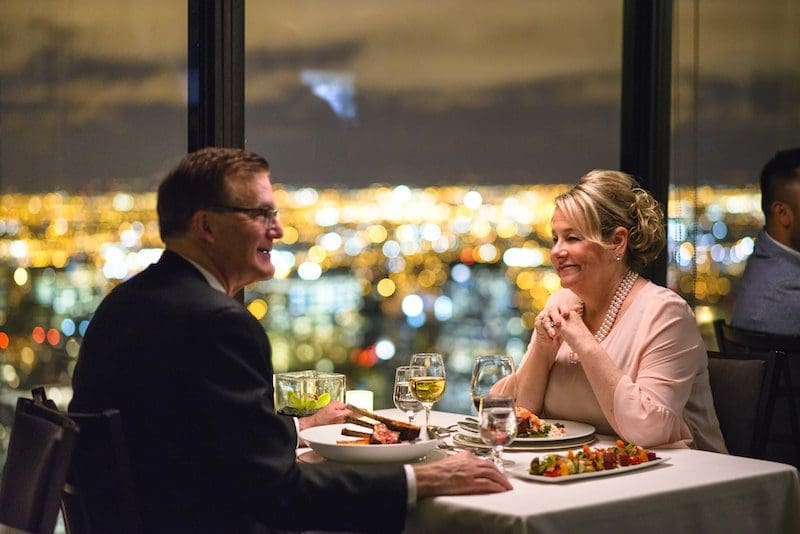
(92, 93)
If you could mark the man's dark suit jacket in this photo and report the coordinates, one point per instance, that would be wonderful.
(189, 368)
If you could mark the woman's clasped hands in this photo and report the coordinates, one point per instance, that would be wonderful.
(559, 323)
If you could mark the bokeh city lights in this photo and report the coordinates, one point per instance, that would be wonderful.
(363, 278)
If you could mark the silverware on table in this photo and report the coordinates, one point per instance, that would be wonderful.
(442, 431)
(447, 448)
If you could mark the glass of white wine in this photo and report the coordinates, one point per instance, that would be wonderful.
(498, 424)
(486, 373)
(429, 387)
(402, 397)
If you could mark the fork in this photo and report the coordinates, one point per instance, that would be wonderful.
(452, 449)
(442, 431)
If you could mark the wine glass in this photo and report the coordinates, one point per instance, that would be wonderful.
(429, 387)
(402, 397)
(487, 371)
(498, 424)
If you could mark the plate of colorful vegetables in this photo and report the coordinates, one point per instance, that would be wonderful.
(588, 462)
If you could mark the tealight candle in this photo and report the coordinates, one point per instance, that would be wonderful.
(359, 397)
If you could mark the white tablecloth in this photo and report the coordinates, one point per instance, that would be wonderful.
(694, 491)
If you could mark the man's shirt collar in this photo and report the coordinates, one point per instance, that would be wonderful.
(210, 278)
(779, 244)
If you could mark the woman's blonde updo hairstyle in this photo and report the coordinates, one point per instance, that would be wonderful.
(604, 200)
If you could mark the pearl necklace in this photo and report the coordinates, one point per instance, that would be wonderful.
(620, 295)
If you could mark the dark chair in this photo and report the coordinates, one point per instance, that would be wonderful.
(99, 494)
(741, 386)
(733, 340)
(39, 452)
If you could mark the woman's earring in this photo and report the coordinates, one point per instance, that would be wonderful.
(617, 257)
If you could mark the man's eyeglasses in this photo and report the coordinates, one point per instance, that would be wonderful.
(267, 215)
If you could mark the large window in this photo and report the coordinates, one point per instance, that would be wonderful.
(736, 101)
(92, 113)
(418, 147)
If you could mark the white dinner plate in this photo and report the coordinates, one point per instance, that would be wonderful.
(572, 430)
(472, 441)
(322, 439)
(522, 471)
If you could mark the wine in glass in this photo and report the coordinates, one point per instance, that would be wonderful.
(488, 371)
(498, 424)
(429, 387)
(403, 399)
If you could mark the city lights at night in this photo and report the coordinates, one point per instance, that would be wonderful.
(363, 276)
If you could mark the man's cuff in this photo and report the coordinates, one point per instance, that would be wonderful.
(297, 431)
(411, 483)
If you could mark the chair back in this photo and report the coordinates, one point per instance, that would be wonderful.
(737, 340)
(99, 495)
(41, 445)
(740, 386)
(783, 407)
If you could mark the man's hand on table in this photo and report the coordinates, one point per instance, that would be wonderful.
(333, 413)
(460, 474)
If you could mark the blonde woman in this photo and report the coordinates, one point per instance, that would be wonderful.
(611, 348)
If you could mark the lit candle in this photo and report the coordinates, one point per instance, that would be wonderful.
(359, 397)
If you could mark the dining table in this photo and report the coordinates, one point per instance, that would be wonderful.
(689, 491)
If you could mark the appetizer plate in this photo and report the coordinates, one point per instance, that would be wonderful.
(572, 430)
(473, 441)
(522, 471)
(322, 440)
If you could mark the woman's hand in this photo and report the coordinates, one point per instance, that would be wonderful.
(573, 331)
(550, 320)
(533, 374)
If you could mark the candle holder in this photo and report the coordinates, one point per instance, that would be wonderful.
(362, 398)
(302, 393)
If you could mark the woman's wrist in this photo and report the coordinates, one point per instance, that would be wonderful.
(544, 351)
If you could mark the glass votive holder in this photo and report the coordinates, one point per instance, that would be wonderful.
(302, 393)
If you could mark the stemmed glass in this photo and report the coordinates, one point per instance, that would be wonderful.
(402, 397)
(498, 424)
(486, 372)
(429, 387)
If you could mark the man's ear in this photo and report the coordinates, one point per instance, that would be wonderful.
(782, 213)
(201, 226)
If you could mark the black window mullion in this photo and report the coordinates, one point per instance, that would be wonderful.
(645, 124)
(216, 74)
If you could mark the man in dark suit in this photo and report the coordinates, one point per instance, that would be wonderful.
(189, 368)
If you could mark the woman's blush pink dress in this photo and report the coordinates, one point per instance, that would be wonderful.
(664, 397)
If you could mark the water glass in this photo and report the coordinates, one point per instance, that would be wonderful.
(498, 424)
(486, 373)
(402, 397)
